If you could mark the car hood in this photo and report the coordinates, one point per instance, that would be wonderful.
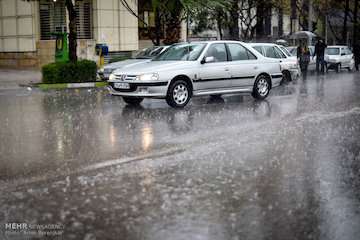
(154, 67)
(126, 63)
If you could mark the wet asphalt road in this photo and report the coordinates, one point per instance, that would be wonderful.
(229, 168)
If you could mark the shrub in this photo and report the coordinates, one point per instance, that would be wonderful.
(81, 71)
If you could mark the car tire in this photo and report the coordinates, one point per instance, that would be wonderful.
(338, 68)
(215, 95)
(179, 94)
(262, 87)
(286, 77)
(133, 100)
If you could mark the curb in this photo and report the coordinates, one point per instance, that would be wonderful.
(44, 86)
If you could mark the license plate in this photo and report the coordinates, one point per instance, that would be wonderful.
(122, 85)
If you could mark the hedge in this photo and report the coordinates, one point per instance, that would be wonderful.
(79, 72)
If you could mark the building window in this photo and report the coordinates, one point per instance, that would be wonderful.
(53, 18)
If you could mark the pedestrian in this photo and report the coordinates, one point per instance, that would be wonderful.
(303, 55)
(319, 52)
(356, 51)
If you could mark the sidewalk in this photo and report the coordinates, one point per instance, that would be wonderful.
(13, 78)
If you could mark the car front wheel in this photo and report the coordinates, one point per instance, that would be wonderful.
(261, 87)
(178, 94)
(338, 67)
(132, 100)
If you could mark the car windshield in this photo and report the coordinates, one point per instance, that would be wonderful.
(332, 51)
(148, 53)
(182, 52)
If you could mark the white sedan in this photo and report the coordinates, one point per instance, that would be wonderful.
(193, 69)
(289, 64)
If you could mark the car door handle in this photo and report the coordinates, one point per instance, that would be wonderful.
(226, 69)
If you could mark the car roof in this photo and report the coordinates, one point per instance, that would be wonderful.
(337, 46)
(213, 41)
(263, 44)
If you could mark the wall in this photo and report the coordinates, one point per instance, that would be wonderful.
(18, 31)
(114, 25)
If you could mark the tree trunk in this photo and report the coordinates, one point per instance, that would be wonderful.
(281, 22)
(344, 30)
(173, 22)
(356, 24)
(157, 26)
(234, 21)
(72, 30)
(260, 12)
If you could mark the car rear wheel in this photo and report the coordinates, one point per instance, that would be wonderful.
(261, 87)
(179, 94)
(133, 100)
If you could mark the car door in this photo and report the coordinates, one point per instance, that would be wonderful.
(216, 74)
(243, 65)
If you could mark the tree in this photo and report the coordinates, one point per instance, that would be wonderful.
(356, 24)
(70, 7)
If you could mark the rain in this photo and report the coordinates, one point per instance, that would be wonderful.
(287, 167)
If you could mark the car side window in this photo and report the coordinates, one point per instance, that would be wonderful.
(343, 51)
(279, 52)
(238, 52)
(270, 52)
(259, 49)
(218, 51)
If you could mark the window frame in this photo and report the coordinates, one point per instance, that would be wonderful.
(230, 59)
(226, 52)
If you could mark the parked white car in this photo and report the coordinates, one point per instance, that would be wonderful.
(144, 55)
(196, 69)
(289, 64)
(338, 57)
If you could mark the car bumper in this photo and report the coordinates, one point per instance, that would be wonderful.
(141, 89)
(295, 73)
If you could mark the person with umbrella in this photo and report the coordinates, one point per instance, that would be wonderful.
(319, 52)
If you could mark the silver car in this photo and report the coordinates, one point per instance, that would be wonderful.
(193, 69)
(339, 57)
(142, 56)
(289, 64)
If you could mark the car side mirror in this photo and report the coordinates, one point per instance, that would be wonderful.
(208, 60)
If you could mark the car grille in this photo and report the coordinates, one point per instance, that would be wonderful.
(125, 77)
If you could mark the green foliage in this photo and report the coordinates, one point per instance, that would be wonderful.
(78, 72)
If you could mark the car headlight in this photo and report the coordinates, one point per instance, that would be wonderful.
(112, 77)
(148, 77)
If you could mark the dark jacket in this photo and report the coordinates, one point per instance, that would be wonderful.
(320, 49)
(356, 51)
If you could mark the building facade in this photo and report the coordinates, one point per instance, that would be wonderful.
(26, 29)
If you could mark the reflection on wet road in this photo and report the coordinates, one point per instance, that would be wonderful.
(224, 168)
